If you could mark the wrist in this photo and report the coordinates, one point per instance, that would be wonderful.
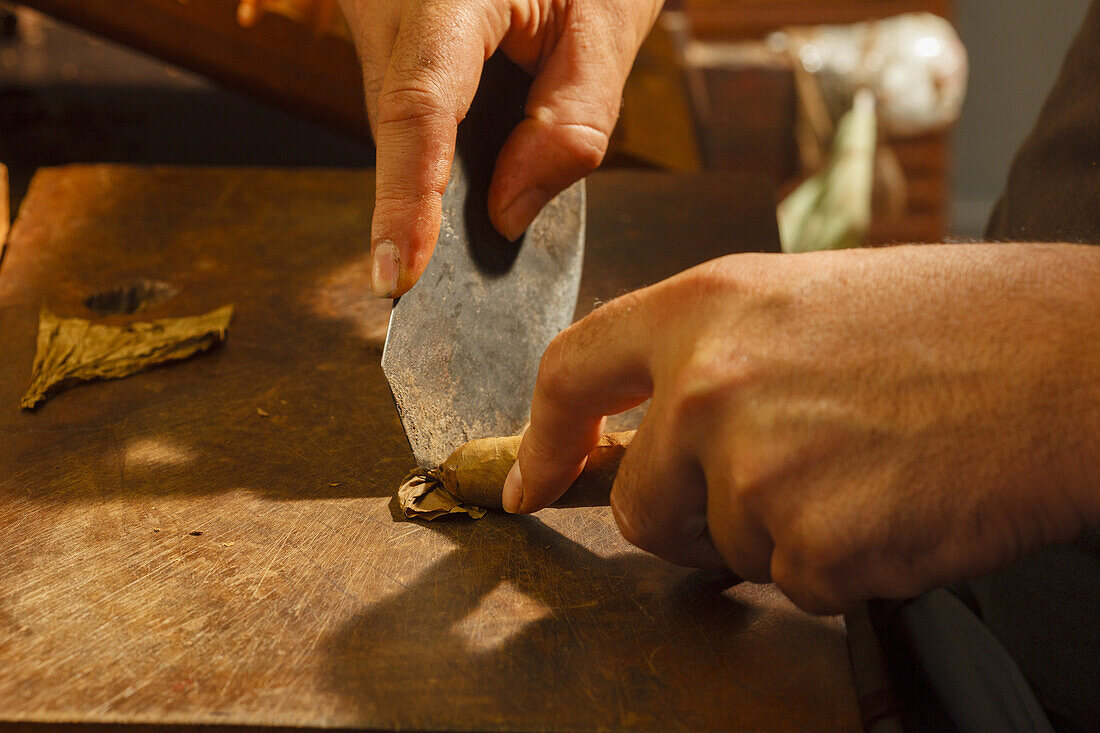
(1068, 285)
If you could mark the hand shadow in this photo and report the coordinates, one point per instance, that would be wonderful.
(519, 626)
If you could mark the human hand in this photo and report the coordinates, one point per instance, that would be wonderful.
(422, 61)
(849, 425)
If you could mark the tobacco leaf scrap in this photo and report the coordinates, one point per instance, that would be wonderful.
(422, 496)
(73, 350)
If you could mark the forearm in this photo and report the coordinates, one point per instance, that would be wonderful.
(1066, 331)
(1043, 304)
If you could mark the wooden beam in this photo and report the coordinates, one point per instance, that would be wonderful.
(728, 20)
(278, 61)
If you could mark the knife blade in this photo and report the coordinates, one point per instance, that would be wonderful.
(463, 346)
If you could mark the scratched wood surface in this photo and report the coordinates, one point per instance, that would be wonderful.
(170, 554)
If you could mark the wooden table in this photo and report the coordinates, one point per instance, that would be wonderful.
(169, 554)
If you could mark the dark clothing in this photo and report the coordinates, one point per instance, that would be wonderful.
(1053, 192)
(1044, 610)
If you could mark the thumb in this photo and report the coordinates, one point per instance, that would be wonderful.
(571, 111)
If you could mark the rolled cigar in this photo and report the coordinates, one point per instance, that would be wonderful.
(475, 472)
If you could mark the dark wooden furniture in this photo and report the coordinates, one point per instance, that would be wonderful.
(215, 542)
(316, 74)
(278, 61)
(753, 106)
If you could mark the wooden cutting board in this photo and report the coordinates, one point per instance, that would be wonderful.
(215, 541)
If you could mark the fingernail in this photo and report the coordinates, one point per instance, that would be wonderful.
(385, 269)
(511, 498)
(519, 214)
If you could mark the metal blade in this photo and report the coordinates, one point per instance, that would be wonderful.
(464, 343)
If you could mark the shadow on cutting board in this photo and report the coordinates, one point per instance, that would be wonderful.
(521, 627)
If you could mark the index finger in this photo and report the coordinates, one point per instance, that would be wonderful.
(429, 84)
(598, 366)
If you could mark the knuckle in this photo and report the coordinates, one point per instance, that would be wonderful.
(752, 277)
(633, 525)
(586, 145)
(400, 196)
(753, 483)
(430, 40)
(825, 561)
(418, 173)
(803, 590)
(412, 103)
(713, 377)
(821, 570)
(754, 565)
(688, 403)
(724, 274)
(553, 375)
(748, 555)
(581, 143)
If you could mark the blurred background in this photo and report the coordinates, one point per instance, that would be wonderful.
(275, 82)
(1016, 49)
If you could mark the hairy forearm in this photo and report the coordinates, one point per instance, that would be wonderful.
(1044, 303)
(1069, 324)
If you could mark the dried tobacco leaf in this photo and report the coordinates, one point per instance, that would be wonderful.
(73, 349)
(832, 208)
(422, 496)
